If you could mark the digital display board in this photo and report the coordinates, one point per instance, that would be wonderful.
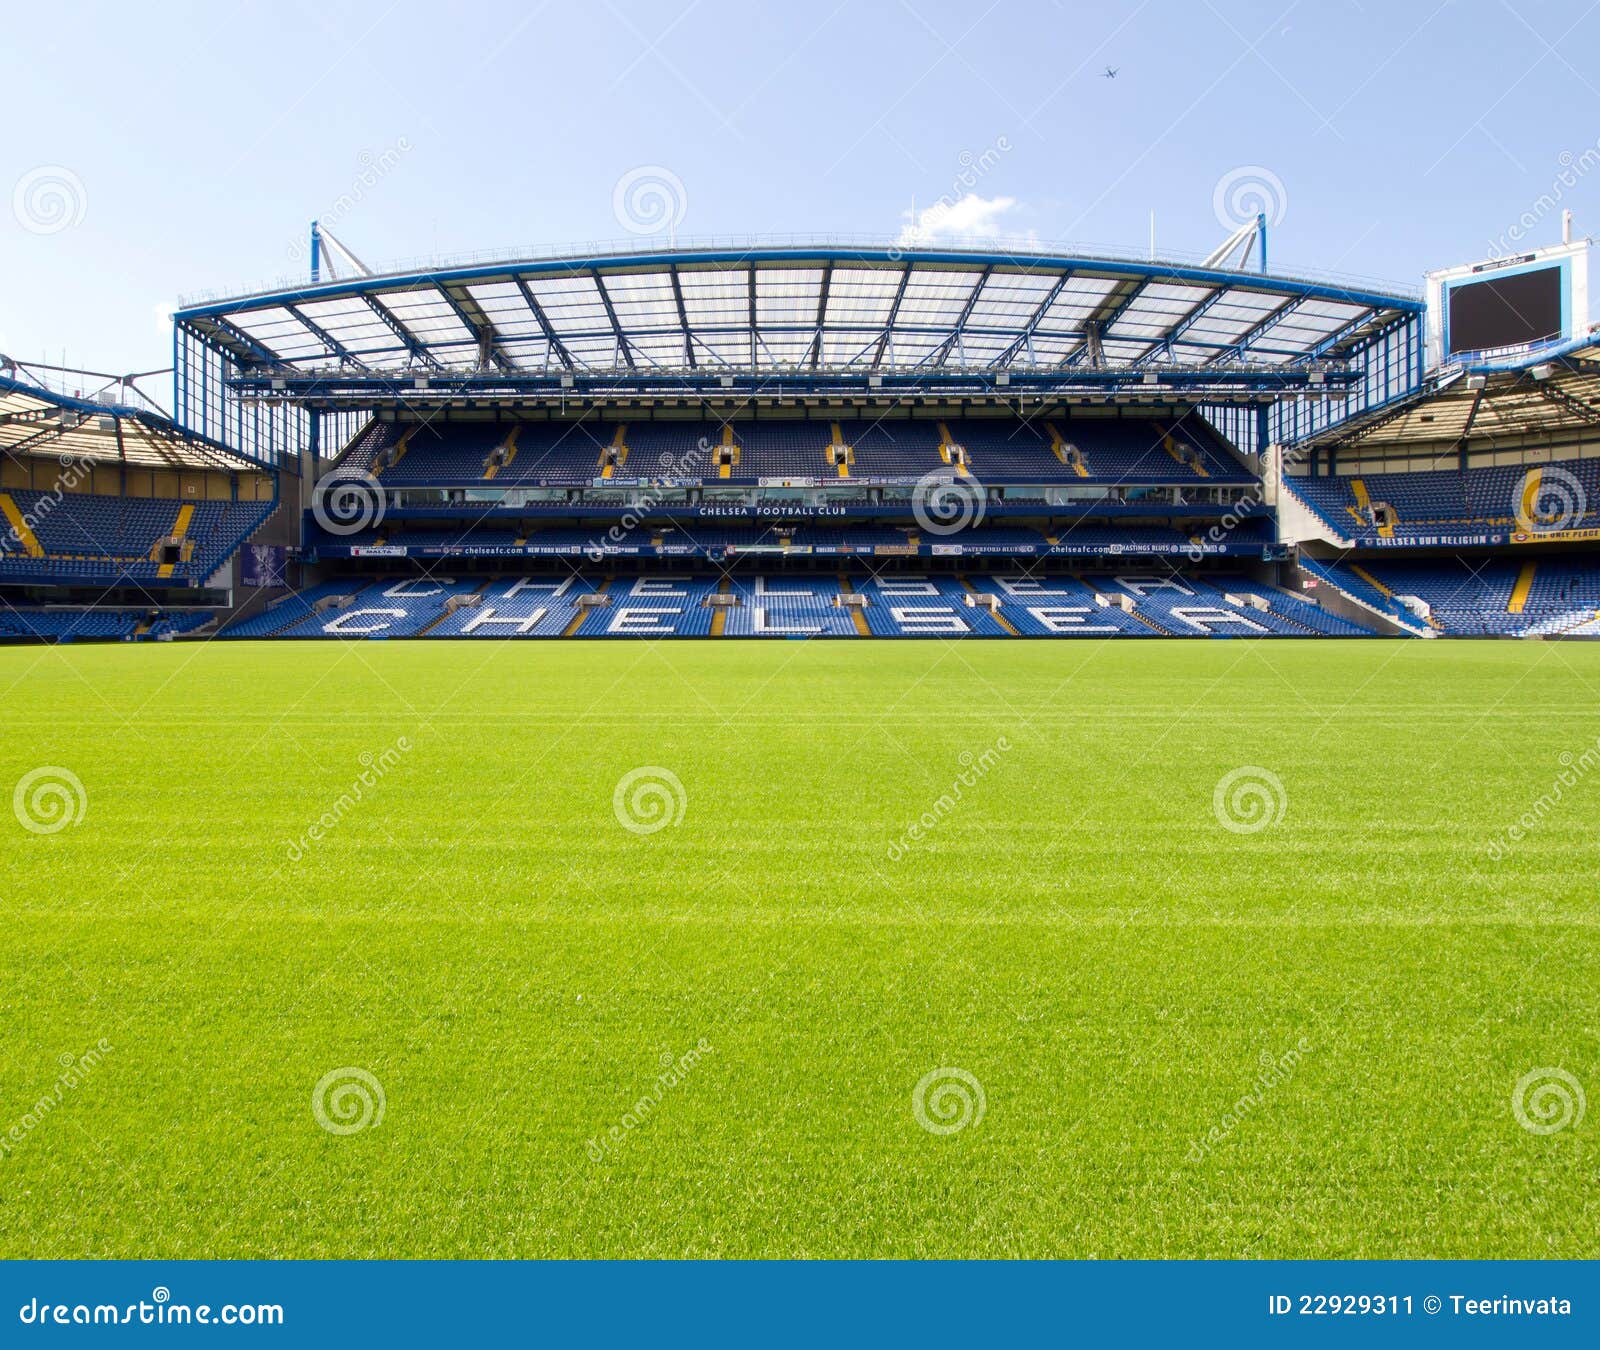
(1505, 311)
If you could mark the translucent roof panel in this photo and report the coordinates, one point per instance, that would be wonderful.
(504, 305)
(36, 421)
(1010, 298)
(936, 298)
(769, 307)
(787, 296)
(716, 299)
(643, 302)
(428, 316)
(862, 297)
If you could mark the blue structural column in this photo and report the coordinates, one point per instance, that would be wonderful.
(316, 252)
(1261, 238)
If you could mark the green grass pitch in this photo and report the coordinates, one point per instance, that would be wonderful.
(888, 859)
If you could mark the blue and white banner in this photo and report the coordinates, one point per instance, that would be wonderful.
(783, 1303)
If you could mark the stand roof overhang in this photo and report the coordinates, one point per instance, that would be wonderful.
(787, 311)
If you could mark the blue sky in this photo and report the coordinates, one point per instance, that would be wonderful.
(154, 152)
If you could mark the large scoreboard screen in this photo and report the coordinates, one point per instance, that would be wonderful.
(1505, 311)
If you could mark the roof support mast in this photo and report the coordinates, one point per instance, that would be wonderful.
(1234, 251)
(340, 260)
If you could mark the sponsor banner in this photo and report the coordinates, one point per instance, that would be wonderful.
(894, 550)
(1187, 549)
(1554, 536)
(792, 482)
(1451, 540)
(774, 510)
(948, 550)
(377, 551)
(263, 565)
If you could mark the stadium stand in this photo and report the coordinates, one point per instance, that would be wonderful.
(902, 604)
(1477, 596)
(1455, 504)
(1120, 450)
(87, 538)
(1092, 462)
(71, 625)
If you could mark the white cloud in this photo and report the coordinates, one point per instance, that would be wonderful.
(968, 217)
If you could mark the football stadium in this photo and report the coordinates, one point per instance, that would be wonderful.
(923, 947)
(930, 746)
(827, 442)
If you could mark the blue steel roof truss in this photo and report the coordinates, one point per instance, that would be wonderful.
(543, 320)
(322, 335)
(419, 351)
(1024, 340)
(859, 339)
(477, 323)
(1165, 346)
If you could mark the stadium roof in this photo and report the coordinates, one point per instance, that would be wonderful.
(41, 421)
(1540, 399)
(781, 311)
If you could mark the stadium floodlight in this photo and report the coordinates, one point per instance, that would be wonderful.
(1477, 381)
(1543, 371)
